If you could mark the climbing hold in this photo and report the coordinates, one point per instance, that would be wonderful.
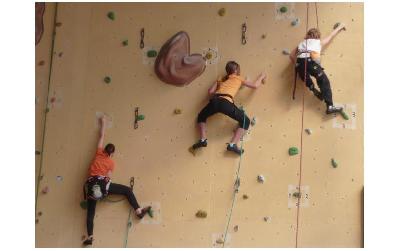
(293, 151)
(283, 9)
(221, 12)
(285, 52)
(41, 62)
(219, 241)
(334, 163)
(177, 111)
(125, 42)
(40, 213)
(36, 221)
(47, 110)
(253, 121)
(83, 204)
(264, 36)
(45, 190)
(37, 152)
(296, 194)
(263, 81)
(140, 117)
(260, 178)
(201, 214)
(60, 54)
(208, 56)
(344, 115)
(308, 131)
(59, 178)
(245, 196)
(41, 177)
(111, 15)
(266, 218)
(295, 22)
(236, 228)
(337, 25)
(151, 213)
(107, 79)
(58, 24)
(152, 53)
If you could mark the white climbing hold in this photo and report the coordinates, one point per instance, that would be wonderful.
(59, 178)
(285, 52)
(253, 121)
(295, 22)
(260, 178)
(308, 131)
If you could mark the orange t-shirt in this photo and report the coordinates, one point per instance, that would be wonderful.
(230, 86)
(101, 164)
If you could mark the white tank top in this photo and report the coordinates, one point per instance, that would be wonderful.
(308, 45)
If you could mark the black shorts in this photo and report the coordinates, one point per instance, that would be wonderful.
(221, 105)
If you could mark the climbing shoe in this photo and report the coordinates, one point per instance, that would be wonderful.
(88, 241)
(144, 212)
(234, 148)
(333, 109)
(199, 144)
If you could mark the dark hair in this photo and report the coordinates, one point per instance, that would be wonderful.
(313, 34)
(109, 149)
(230, 68)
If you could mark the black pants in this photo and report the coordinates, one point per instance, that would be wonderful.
(114, 189)
(221, 105)
(315, 70)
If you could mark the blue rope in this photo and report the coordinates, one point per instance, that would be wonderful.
(237, 181)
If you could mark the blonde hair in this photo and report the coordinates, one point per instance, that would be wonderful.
(313, 34)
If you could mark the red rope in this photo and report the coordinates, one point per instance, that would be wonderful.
(301, 137)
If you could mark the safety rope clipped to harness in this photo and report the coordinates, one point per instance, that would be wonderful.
(129, 224)
(237, 181)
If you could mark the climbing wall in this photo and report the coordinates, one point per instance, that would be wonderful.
(303, 202)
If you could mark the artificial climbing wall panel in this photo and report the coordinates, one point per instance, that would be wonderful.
(177, 184)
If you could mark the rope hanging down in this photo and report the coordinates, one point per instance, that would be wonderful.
(237, 181)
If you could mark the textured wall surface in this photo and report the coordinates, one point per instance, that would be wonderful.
(88, 47)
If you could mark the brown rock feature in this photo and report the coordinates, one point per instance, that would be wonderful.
(39, 11)
(174, 63)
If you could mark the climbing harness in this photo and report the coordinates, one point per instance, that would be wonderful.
(237, 182)
(244, 29)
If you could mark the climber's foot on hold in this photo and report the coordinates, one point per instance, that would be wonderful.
(333, 109)
(144, 212)
(200, 143)
(234, 148)
(88, 241)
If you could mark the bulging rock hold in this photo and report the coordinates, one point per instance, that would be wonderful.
(175, 65)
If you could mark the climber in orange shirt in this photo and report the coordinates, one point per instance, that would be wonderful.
(99, 184)
(222, 94)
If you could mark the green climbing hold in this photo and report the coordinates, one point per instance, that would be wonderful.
(201, 214)
(152, 53)
(293, 151)
(83, 204)
(111, 15)
(107, 79)
(140, 117)
(125, 42)
(344, 115)
(334, 163)
(283, 9)
(150, 213)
